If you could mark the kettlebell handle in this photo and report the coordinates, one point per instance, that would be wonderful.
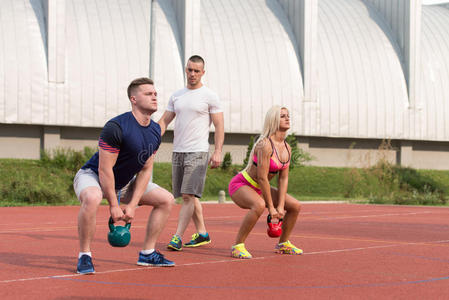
(112, 227)
(269, 219)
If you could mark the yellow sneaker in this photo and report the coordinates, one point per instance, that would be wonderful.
(239, 251)
(287, 248)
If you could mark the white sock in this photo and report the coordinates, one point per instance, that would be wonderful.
(84, 253)
(146, 252)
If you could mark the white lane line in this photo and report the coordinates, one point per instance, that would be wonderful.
(219, 261)
(221, 217)
(132, 269)
(373, 216)
(375, 247)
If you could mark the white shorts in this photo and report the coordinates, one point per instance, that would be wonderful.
(86, 178)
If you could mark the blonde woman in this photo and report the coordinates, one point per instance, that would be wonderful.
(250, 189)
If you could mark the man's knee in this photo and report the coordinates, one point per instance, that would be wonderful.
(169, 200)
(158, 198)
(187, 198)
(90, 198)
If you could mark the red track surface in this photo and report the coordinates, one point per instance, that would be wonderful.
(350, 251)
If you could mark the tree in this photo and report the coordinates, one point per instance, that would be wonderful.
(248, 151)
(298, 156)
(227, 161)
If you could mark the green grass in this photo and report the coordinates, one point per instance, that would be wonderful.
(44, 182)
(439, 176)
(28, 182)
(317, 182)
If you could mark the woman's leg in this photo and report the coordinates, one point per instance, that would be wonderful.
(245, 197)
(292, 207)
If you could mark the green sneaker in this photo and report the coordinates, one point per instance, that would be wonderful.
(175, 243)
(198, 240)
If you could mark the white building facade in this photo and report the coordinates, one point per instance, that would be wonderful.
(352, 72)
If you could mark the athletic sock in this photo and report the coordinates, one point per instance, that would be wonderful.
(146, 252)
(84, 253)
(203, 234)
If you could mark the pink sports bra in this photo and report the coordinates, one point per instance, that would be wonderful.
(274, 167)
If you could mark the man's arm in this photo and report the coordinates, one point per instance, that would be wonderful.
(107, 182)
(142, 179)
(166, 118)
(218, 121)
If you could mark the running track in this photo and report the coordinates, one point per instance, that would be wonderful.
(350, 252)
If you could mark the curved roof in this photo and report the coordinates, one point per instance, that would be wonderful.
(252, 62)
(108, 46)
(104, 52)
(168, 64)
(23, 63)
(435, 72)
(362, 89)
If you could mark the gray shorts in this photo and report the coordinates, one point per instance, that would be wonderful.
(87, 178)
(189, 173)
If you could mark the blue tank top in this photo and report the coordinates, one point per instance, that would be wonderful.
(136, 144)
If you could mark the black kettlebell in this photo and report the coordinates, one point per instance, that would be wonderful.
(118, 236)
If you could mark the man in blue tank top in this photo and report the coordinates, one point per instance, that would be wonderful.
(121, 172)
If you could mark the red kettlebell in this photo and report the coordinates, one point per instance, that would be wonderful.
(274, 229)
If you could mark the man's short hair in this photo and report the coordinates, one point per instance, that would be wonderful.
(196, 59)
(138, 82)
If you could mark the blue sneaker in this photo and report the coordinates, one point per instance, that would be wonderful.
(175, 243)
(155, 259)
(85, 265)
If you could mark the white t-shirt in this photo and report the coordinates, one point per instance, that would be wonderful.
(193, 109)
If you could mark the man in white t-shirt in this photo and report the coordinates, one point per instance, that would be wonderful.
(195, 108)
